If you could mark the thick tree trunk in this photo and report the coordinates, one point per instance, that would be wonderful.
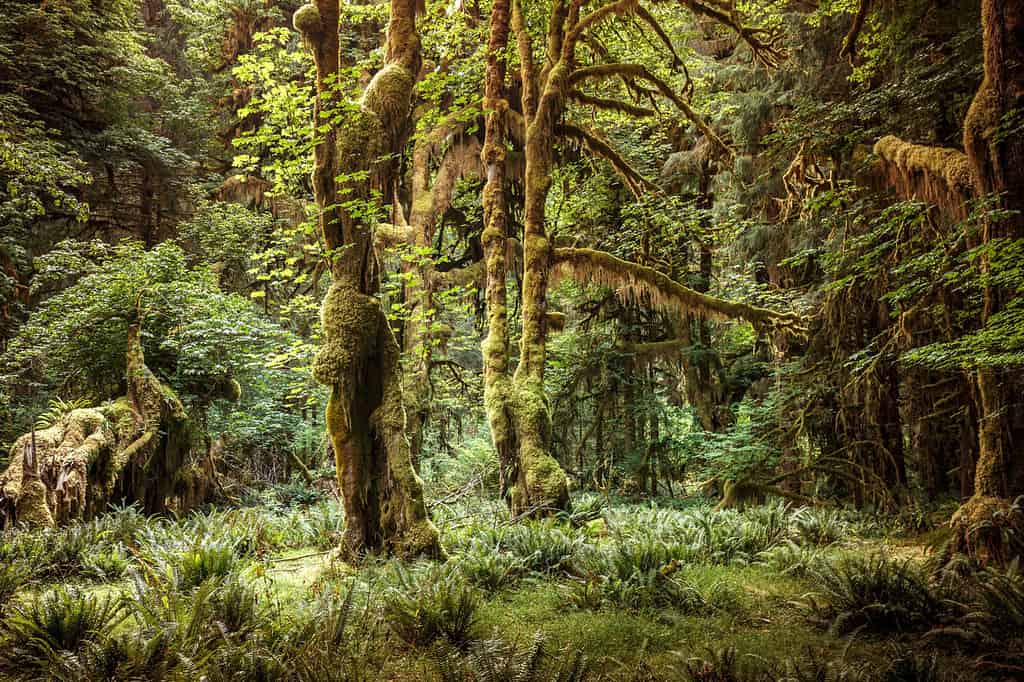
(497, 384)
(359, 360)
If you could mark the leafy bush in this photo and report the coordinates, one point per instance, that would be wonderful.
(792, 559)
(542, 546)
(496, 660)
(487, 567)
(424, 606)
(106, 562)
(187, 565)
(297, 494)
(819, 526)
(994, 618)
(12, 577)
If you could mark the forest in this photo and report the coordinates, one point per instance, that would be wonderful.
(512, 340)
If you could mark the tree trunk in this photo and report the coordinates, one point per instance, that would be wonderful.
(359, 360)
(497, 385)
(997, 164)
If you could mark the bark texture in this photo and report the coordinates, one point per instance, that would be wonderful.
(359, 360)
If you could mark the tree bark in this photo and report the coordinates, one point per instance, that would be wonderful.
(359, 360)
(997, 164)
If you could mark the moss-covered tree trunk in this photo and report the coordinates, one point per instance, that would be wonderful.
(497, 383)
(538, 484)
(997, 165)
(135, 449)
(359, 359)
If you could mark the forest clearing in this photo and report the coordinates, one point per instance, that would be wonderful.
(515, 340)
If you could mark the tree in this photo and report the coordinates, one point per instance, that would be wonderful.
(359, 360)
(517, 407)
(991, 167)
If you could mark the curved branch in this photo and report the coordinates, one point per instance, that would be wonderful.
(636, 281)
(849, 48)
(649, 19)
(618, 8)
(527, 69)
(636, 182)
(640, 71)
(610, 104)
(765, 43)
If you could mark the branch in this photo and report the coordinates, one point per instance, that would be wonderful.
(636, 182)
(600, 71)
(649, 19)
(618, 8)
(526, 67)
(765, 43)
(938, 175)
(387, 235)
(849, 48)
(610, 104)
(637, 281)
(655, 348)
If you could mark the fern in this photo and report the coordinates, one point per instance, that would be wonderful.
(57, 409)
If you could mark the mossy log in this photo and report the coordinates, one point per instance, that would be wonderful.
(136, 449)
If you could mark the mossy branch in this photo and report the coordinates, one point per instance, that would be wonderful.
(938, 175)
(618, 8)
(649, 19)
(636, 182)
(637, 281)
(610, 104)
(849, 48)
(765, 43)
(601, 71)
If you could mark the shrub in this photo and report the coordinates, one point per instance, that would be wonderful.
(186, 567)
(819, 526)
(106, 562)
(487, 567)
(12, 577)
(498, 660)
(542, 546)
(792, 559)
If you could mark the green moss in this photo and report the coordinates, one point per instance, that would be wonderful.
(32, 508)
(388, 95)
(307, 20)
(349, 319)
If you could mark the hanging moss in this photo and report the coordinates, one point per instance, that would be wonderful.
(389, 96)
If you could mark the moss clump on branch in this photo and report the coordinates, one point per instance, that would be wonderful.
(307, 21)
(938, 175)
(389, 96)
(348, 318)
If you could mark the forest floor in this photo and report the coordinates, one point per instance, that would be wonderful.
(616, 590)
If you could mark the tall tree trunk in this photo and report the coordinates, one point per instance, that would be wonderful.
(997, 164)
(539, 485)
(497, 384)
(359, 360)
